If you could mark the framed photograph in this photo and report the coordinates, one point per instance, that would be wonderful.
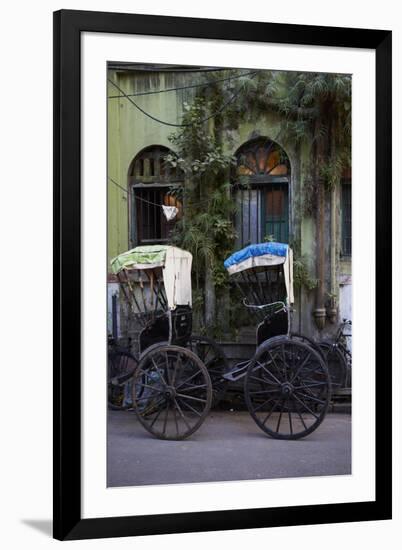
(222, 219)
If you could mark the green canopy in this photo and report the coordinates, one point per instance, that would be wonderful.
(152, 255)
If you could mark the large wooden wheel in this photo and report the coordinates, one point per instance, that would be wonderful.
(337, 366)
(287, 388)
(306, 340)
(172, 392)
(121, 365)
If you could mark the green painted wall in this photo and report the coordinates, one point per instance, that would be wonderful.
(129, 131)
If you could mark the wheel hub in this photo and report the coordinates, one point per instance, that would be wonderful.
(287, 389)
(170, 392)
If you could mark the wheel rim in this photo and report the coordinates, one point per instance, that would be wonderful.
(119, 364)
(171, 392)
(336, 365)
(287, 389)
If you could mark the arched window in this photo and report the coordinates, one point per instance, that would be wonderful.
(261, 189)
(152, 183)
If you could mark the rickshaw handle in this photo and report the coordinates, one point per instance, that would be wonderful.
(262, 306)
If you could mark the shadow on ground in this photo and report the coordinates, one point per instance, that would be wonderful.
(42, 525)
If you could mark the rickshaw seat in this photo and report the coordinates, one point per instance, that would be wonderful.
(273, 325)
(173, 326)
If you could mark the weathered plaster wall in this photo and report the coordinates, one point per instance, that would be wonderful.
(130, 131)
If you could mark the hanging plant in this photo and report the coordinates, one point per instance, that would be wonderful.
(301, 274)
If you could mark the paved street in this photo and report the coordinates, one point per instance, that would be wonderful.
(228, 446)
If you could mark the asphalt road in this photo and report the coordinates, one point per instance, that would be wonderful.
(228, 446)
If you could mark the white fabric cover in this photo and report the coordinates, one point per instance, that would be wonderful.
(256, 261)
(288, 273)
(177, 277)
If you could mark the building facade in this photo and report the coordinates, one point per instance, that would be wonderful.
(269, 185)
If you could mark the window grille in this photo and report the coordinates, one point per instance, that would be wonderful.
(151, 226)
(153, 183)
(261, 183)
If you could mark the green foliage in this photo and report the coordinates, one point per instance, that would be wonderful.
(314, 113)
(301, 273)
(207, 229)
(314, 109)
(331, 171)
(197, 149)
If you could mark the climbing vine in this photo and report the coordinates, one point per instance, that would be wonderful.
(207, 229)
(313, 112)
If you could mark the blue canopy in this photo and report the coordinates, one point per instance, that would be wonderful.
(264, 255)
(254, 250)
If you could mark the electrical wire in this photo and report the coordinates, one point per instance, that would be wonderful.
(199, 85)
(137, 197)
(234, 96)
(149, 202)
(118, 185)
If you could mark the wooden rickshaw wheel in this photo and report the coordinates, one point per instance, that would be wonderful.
(337, 366)
(287, 388)
(307, 340)
(121, 363)
(172, 392)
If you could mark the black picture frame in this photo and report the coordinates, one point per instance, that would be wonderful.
(68, 26)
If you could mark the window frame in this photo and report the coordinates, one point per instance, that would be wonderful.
(134, 221)
(147, 180)
(275, 185)
(261, 180)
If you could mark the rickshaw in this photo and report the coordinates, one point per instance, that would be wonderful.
(286, 383)
(171, 386)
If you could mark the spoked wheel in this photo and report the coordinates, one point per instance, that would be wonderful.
(172, 392)
(215, 360)
(309, 341)
(336, 364)
(121, 366)
(287, 388)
